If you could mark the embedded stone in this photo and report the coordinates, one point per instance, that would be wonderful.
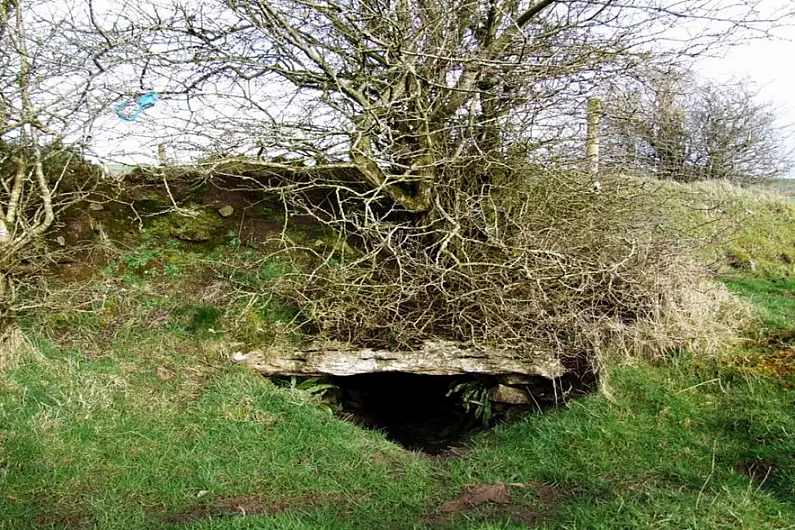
(510, 395)
(437, 357)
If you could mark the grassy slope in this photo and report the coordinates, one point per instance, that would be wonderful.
(128, 415)
(754, 228)
(130, 439)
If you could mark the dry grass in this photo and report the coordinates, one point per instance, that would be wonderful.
(735, 228)
(703, 318)
(541, 262)
(14, 348)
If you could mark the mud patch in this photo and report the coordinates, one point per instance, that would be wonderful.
(488, 502)
(239, 199)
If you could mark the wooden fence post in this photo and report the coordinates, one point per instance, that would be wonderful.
(592, 135)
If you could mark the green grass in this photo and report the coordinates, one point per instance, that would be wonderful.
(158, 430)
(120, 409)
(745, 230)
(775, 298)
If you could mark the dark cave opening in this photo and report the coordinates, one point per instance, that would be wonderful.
(413, 410)
(436, 413)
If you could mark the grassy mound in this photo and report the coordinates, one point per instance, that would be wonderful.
(548, 265)
(750, 230)
(119, 408)
(151, 429)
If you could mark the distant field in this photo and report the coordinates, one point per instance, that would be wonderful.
(118, 169)
(784, 187)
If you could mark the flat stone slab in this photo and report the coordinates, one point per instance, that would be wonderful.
(431, 358)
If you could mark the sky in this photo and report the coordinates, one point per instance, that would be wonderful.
(768, 65)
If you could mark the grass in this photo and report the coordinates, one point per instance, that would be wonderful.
(776, 299)
(751, 230)
(159, 431)
(120, 409)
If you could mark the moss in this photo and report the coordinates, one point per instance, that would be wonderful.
(205, 227)
(272, 269)
(200, 320)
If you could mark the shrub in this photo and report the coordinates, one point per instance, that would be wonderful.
(549, 265)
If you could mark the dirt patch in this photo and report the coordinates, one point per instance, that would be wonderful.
(79, 271)
(498, 493)
(239, 199)
(778, 363)
(485, 502)
(760, 470)
(248, 505)
(550, 494)
(240, 505)
(258, 231)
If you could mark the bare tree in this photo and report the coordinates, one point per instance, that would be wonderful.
(413, 121)
(45, 105)
(676, 126)
(403, 89)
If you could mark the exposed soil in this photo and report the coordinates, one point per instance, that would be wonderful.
(759, 470)
(498, 493)
(778, 362)
(119, 211)
(248, 505)
(483, 502)
(229, 506)
(486, 502)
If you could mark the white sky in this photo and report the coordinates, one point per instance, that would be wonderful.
(768, 65)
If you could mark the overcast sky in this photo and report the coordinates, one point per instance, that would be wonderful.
(769, 65)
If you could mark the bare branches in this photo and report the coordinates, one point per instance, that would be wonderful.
(44, 85)
(676, 126)
(434, 110)
(409, 87)
(408, 126)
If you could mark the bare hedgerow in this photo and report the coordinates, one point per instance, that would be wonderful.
(541, 261)
(46, 108)
(396, 122)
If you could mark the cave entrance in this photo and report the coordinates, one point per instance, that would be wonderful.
(428, 399)
(416, 411)
(434, 413)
